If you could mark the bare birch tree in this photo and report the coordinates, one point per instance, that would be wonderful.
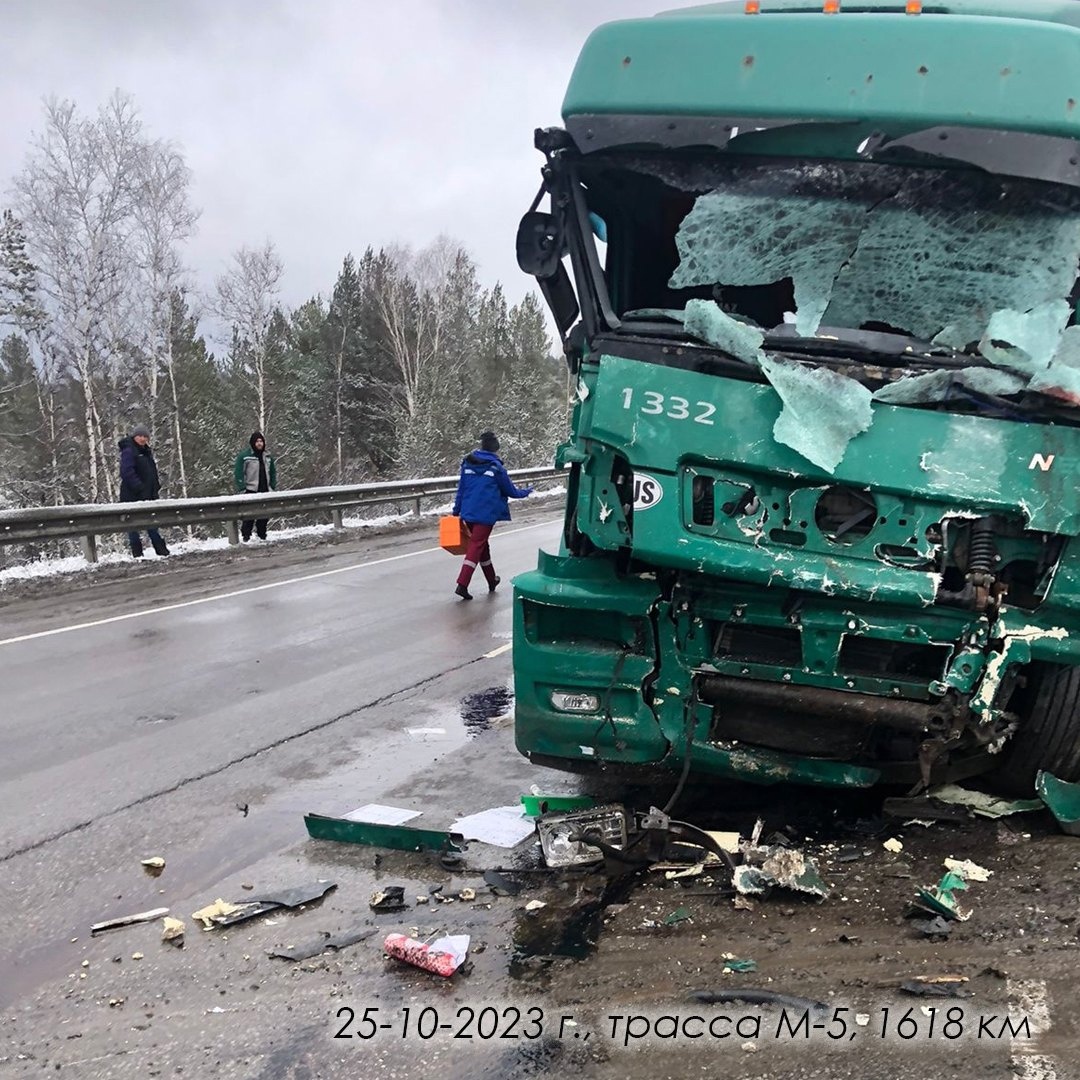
(247, 298)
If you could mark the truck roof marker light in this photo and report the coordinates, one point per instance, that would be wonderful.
(753, 7)
(831, 7)
(914, 7)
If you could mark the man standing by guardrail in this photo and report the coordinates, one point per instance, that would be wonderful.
(139, 482)
(255, 470)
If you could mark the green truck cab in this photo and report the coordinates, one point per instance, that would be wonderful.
(821, 317)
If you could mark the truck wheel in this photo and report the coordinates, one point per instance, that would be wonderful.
(1049, 733)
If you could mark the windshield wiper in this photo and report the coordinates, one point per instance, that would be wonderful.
(895, 348)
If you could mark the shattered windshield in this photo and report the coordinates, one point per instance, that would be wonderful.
(763, 258)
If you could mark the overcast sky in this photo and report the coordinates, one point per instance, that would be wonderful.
(324, 125)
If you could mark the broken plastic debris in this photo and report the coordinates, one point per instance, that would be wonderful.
(372, 834)
(1062, 798)
(500, 884)
(441, 957)
(211, 915)
(893, 845)
(535, 905)
(990, 806)
(936, 927)
(732, 964)
(377, 814)
(172, 929)
(940, 986)
(822, 413)
(941, 899)
(677, 916)
(154, 865)
(392, 898)
(538, 803)
(968, 870)
(129, 920)
(323, 944)
(467, 895)
(562, 835)
(704, 319)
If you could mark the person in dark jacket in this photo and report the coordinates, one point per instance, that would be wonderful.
(255, 470)
(481, 501)
(139, 482)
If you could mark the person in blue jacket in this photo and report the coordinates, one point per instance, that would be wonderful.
(481, 501)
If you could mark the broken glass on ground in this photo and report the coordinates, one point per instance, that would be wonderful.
(326, 943)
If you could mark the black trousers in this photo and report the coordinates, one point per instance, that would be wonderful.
(259, 525)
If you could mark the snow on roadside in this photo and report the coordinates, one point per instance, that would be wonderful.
(74, 564)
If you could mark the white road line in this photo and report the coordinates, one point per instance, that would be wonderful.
(1030, 999)
(499, 651)
(242, 592)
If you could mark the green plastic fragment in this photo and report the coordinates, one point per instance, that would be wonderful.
(823, 411)
(1062, 798)
(704, 319)
(536, 805)
(677, 916)
(394, 837)
(740, 965)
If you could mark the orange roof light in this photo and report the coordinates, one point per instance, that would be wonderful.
(831, 7)
(914, 7)
(753, 7)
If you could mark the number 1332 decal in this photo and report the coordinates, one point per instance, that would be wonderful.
(650, 403)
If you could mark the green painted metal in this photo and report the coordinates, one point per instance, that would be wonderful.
(966, 69)
(1063, 799)
(394, 837)
(536, 805)
(641, 603)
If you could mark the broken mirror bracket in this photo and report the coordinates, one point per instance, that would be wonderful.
(370, 834)
(561, 835)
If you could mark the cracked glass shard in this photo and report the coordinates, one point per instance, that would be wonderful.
(1025, 341)
(1062, 378)
(947, 251)
(822, 413)
(774, 224)
(704, 319)
(941, 386)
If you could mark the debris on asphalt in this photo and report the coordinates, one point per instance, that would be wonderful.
(129, 920)
(743, 903)
(733, 965)
(924, 810)
(377, 814)
(893, 845)
(392, 898)
(562, 835)
(154, 865)
(537, 804)
(326, 943)
(224, 913)
(1063, 799)
(686, 872)
(172, 930)
(941, 899)
(441, 957)
(939, 986)
(677, 916)
(937, 927)
(989, 806)
(371, 834)
(136, 956)
(211, 915)
(756, 996)
(500, 884)
(785, 868)
(968, 870)
(501, 826)
(535, 905)
(467, 894)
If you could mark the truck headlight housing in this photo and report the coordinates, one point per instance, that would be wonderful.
(574, 701)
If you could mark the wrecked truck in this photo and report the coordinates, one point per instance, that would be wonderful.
(815, 274)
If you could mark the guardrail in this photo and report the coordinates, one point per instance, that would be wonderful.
(88, 520)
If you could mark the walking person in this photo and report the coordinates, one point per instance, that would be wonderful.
(481, 502)
(255, 470)
(139, 483)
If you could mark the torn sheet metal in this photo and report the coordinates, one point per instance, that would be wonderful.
(326, 943)
(394, 837)
(1062, 798)
(941, 899)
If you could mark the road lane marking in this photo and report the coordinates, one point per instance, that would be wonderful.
(242, 592)
(499, 651)
(1030, 1000)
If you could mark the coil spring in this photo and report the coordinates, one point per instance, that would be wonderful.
(982, 551)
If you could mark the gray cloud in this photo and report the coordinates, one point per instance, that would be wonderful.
(325, 126)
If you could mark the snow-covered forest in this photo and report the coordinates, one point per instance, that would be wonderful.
(392, 371)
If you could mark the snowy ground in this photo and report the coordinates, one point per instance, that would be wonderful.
(76, 564)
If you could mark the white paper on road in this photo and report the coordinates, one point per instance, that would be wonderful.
(420, 732)
(377, 814)
(455, 945)
(501, 826)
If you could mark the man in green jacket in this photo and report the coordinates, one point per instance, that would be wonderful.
(255, 470)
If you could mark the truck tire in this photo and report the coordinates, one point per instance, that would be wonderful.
(1049, 733)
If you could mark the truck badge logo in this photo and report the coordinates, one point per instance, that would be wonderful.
(647, 491)
(1041, 462)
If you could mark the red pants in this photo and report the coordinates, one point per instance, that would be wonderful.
(479, 554)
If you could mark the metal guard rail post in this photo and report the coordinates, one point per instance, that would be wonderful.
(87, 520)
